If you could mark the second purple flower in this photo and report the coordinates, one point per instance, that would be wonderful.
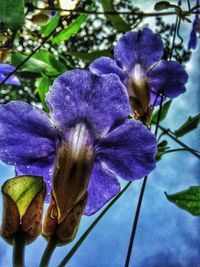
(137, 62)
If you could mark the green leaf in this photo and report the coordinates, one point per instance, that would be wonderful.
(47, 29)
(32, 65)
(88, 57)
(189, 125)
(11, 14)
(22, 190)
(42, 62)
(72, 29)
(188, 200)
(42, 88)
(56, 67)
(164, 112)
(118, 23)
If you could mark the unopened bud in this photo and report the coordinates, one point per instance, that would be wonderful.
(4, 56)
(23, 199)
(40, 19)
(162, 5)
(65, 231)
(3, 37)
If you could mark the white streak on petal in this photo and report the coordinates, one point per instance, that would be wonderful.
(79, 139)
(137, 74)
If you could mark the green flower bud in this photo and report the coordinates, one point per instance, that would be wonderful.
(4, 56)
(23, 199)
(162, 5)
(3, 37)
(40, 19)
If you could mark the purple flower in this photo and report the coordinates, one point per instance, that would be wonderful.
(192, 44)
(87, 140)
(6, 69)
(137, 62)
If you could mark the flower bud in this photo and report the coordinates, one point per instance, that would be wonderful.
(23, 199)
(162, 5)
(4, 56)
(40, 19)
(65, 231)
(3, 37)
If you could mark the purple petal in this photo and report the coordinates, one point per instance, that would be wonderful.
(192, 44)
(168, 78)
(42, 167)
(102, 187)
(6, 68)
(106, 65)
(129, 150)
(80, 96)
(26, 134)
(142, 47)
(13, 80)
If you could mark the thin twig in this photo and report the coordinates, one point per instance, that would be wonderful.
(169, 133)
(142, 14)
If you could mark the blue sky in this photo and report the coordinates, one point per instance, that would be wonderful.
(167, 236)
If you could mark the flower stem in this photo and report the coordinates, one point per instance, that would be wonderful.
(18, 250)
(177, 150)
(48, 252)
(170, 134)
(89, 229)
(135, 222)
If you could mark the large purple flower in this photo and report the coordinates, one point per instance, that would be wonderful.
(192, 44)
(6, 68)
(87, 141)
(137, 61)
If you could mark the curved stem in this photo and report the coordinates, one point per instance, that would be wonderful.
(170, 134)
(137, 214)
(89, 229)
(177, 150)
(18, 249)
(51, 245)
